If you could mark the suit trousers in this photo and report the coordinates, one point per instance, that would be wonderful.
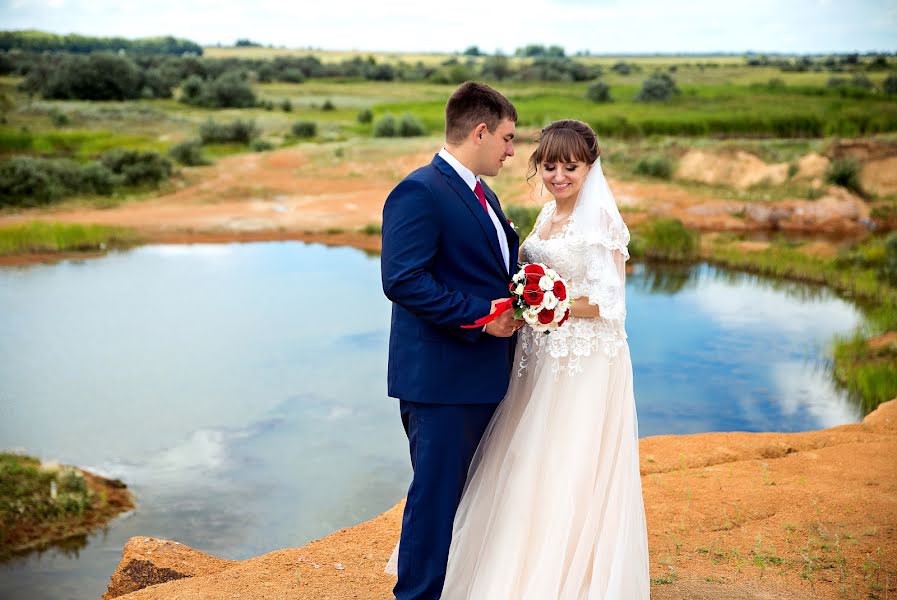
(442, 440)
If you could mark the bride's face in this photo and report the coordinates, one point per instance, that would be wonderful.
(564, 179)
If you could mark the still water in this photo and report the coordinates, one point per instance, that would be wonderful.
(239, 389)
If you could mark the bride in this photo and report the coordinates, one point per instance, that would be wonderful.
(552, 508)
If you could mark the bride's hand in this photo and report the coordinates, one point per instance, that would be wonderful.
(581, 308)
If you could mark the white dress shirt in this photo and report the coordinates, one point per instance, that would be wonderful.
(471, 180)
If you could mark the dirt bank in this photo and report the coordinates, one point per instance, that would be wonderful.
(294, 193)
(743, 516)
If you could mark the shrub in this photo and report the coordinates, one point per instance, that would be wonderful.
(890, 85)
(286, 105)
(25, 182)
(291, 75)
(99, 76)
(239, 131)
(191, 90)
(188, 153)
(659, 87)
(328, 105)
(365, 116)
(598, 92)
(29, 181)
(305, 129)
(655, 165)
(59, 118)
(410, 126)
(137, 167)
(99, 179)
(887, 270)
(846, 173)
(230, 90)
(260, 145)
(668, 239)
(386, 126)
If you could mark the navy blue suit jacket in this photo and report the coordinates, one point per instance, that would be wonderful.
(442, 266)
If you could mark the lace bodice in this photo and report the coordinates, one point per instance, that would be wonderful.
(593, 266)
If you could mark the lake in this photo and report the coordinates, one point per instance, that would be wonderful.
(240, 389)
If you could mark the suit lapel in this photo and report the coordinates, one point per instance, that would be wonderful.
(470, 200)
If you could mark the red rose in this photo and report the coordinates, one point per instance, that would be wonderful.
(564, 320)
(560, 290)
(512, 286)
(533, 278)
(546, 316)
(534, 269)
(533, 295)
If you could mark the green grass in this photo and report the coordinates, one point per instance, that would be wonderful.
(78, 144)
(36, 237)
(31, 494)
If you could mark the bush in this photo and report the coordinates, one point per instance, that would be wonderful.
(659, 87)
(887, 270)
(598, 92)
(386, 126)
(365, 116)
(890, 85)
(259, 145)
(228, 90)
(291, 75)
(668, 239)
(137, 167)
(655, 165)
(286, 105)
(24, 181)
(188, 153)
(846, 173)
(99, 179)
(239, 131)
(29, 181)
(328, 105)
(410, 126)
(96, 77)
(305, 129)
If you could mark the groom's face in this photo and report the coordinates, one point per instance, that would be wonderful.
(496, 146)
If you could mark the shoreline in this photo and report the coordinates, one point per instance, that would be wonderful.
(112, 499)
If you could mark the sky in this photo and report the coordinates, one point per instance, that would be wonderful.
(599, 26)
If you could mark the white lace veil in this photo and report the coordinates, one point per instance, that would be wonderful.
(596, 216)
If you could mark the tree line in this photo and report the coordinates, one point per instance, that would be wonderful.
(40, 41)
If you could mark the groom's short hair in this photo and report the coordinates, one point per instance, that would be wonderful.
(474, 103)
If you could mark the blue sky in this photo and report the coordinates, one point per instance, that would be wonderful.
(600, 26)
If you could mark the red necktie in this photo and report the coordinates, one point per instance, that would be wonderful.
(478, 190)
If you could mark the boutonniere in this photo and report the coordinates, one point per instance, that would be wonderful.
(514, 227)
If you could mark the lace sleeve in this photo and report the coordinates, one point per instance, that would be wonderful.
(604, 282)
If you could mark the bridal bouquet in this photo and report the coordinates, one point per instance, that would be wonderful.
(539, 296)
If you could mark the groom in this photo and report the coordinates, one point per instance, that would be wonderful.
(448, 252)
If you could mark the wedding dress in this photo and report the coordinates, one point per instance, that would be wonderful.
(553, 504)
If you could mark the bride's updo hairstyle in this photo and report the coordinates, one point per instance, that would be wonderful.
(565, 141)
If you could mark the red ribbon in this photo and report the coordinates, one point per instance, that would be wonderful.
(499, 309)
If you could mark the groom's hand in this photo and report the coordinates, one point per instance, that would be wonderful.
(505, 325)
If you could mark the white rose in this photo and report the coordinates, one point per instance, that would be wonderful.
(549, 301)
(558, 315)
(531, 317)
(517, 277)
(519, 289)
(546, 283)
